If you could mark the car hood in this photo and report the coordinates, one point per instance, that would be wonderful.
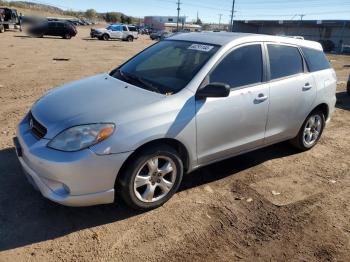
(96, 99)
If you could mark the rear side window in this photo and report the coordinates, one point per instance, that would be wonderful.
(241, 67)
(284, 61)
(315, 59)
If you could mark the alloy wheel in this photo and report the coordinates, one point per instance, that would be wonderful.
(155, 179)
(312, 130)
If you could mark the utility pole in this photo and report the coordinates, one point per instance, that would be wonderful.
(232, 13)
(301, 19)
(220, 15)
(178, 14)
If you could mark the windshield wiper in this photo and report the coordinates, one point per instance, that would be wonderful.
(146, 84)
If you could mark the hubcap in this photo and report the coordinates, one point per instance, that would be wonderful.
(155, 179)
(312, 130)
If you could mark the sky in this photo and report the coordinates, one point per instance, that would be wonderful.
(210, 10)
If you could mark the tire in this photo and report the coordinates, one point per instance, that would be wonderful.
(105, 37)
(67, 36)
(150, 179)
(309, 134)
(2, 29)
(130, 38)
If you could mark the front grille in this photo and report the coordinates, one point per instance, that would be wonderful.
(37, 129)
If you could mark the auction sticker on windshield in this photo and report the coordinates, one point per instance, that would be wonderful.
(203, 48)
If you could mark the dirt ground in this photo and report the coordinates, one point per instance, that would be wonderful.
(225, 211)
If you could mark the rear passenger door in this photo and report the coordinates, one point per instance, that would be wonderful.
(230, 125)
(292, 92)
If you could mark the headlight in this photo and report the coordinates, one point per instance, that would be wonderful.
(79, 137)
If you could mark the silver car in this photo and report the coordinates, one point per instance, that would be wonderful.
(183, 103)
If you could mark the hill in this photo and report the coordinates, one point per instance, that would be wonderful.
(30, 8)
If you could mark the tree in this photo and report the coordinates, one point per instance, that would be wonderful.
(128, 20)
(112, 17)
(91, 14)
(198, 22)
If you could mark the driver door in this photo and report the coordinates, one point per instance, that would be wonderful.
(230, 125)
(116, 32)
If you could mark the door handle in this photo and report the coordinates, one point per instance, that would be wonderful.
(307, 86)
(261, 98)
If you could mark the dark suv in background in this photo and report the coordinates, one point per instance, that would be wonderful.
(54, 28)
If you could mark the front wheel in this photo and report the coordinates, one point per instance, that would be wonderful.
(310, 132)
(129, 38)
(2, 29)
(105, 37)
(151, 178)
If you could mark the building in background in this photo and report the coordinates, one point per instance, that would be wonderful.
(169, 23)
(333, 34)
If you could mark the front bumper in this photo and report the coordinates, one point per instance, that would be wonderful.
(80, 178)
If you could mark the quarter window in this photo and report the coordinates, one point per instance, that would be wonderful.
(284, 61)
(241, 67)
(315, 59)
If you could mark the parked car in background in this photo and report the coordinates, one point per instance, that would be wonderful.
(160, 35)
(8, 17)
(118, 31)
(327, 45)
(63, 29)
(144, 31)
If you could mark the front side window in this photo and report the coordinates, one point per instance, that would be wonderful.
(284, 61)
(243, 66)
(315, 59)
(166, 67)
(114, 28)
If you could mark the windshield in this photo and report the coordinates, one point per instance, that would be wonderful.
(166, 67)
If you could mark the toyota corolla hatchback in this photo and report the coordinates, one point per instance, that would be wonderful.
(181, 104)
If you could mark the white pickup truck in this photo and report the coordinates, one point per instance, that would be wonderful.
(122, 32)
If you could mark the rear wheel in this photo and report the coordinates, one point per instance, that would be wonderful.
(311, 131)
(105, 37)
(151, 178)
(67, 36)
(2, 29)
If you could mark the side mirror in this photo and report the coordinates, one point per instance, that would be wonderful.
(214, 90)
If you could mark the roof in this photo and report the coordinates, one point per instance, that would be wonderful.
(214, 38)
(225, 38)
